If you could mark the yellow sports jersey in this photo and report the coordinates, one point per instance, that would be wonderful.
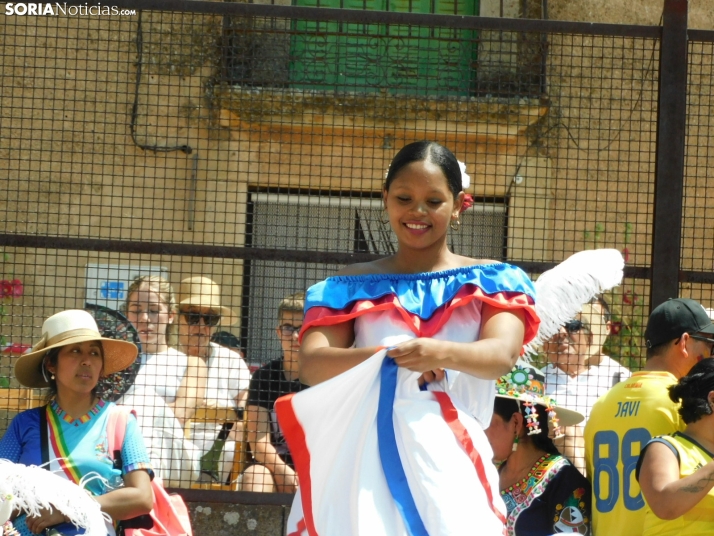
(620, 425)
(699, 521)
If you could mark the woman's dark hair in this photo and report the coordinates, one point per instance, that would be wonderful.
(434, 153)
(506, 407)
(692, 391)
(51, 359)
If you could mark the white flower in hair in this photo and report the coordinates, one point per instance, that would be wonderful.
(465, 178)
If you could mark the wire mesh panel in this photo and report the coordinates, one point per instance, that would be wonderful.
(239, 157)
(697, 237)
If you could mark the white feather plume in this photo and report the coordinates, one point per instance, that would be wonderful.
(34, 488)
(562, 291)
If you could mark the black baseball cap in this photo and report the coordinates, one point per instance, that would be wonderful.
(675, 317)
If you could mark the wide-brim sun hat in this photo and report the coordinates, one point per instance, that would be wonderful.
(525, 383)
(205, 294)
(71, 327)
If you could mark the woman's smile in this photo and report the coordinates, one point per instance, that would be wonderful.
(417, 227)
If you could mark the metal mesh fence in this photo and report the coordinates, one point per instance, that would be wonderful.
(251, 150)
(696, 230)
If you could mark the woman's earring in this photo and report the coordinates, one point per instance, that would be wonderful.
(385, 217)
(455, 224)
(532, 424)
(516, 439)
(53, 376)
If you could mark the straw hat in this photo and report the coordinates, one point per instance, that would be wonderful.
(526, 383)
(70, 327)
(205, 293)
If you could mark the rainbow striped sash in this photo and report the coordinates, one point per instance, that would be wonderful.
(57, 443)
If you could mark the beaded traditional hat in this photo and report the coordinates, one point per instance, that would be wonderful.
(526, 384)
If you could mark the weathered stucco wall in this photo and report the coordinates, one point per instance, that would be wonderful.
(701, 12)
(70, 167)
(601, 173)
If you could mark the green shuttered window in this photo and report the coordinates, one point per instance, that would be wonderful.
(372, 57)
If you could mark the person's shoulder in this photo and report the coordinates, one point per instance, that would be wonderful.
(27, 418)
(30, 414)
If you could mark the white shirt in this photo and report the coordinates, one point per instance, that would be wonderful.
(227, 376)
(582, 391)
(162, 372)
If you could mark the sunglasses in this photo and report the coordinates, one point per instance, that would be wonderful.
(705, 339)
(573, 326)
(194, 319)
(288, 330)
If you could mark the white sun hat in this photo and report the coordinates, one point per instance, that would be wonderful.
(71, 327)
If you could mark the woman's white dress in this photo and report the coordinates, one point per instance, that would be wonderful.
(375, 453)
(173, 457)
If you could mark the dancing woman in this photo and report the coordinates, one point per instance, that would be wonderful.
(403, 353)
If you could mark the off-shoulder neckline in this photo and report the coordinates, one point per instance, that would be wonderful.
(416, 276)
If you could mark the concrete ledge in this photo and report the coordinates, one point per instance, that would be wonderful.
(236, 513)
(222, 519)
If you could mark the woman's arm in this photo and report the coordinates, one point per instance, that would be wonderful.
(134, 499)
(325, 352)
(492, 356)
(192, 391)
(668, 495)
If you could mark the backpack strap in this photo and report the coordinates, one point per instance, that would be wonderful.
(116, 429)
(44, 439)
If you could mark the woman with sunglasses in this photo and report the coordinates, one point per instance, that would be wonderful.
(676, 472)
(200, 314)
(169, 385)
(401, 355)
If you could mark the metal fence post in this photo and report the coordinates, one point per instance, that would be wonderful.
(669, 167)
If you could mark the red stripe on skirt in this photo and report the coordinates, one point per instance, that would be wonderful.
(451, 416)
(295, 438)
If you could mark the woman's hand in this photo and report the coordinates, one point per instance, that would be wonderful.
(490, 357)
(46, 519)
(432, 376)
(421, 355)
